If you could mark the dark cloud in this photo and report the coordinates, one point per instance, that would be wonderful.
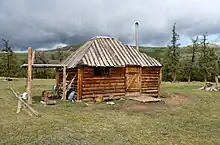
(44, 24)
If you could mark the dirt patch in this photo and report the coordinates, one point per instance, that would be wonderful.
(177, 99)
(145, 107)
(172, 101)
(138, 108)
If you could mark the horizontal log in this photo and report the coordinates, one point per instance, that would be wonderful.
(149, 81)
(152, 68)
(131, 72)
(151, 72)
(102, 81)
(149, 88)
(103, 88)
(86, 85)
(150, 91)
(149, 85)
(132, 93)
(107, 94)
(151, 95)
(102, 92)
(103, 78)
(150, 76)
(145, 83)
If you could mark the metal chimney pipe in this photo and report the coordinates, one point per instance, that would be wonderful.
(137, 35)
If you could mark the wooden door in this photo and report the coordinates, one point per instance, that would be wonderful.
(133, 81)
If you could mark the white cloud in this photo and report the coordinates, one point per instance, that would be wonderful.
(53, 47)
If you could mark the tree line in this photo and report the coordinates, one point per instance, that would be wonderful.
(10, 62)
(197, 62)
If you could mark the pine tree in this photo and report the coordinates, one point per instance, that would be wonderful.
(208, 58)
(193, 51)
(9, 53)
(172, 56)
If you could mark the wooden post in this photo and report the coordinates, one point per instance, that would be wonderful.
(33, 57)
(159, 82)
(140, 79)
(79, 84)
(25, 104)
(57, 81)
(64, 83)
(29, 87)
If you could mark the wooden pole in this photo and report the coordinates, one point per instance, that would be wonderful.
(64, 83)
(25, 104)
(159, 82)
(70, 84)
(57, 82)
(140, 79)
(29, 87)
(79, 84)
(33, 57)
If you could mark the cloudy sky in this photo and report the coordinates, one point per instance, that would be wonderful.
(49, 23)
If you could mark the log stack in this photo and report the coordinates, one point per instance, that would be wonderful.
(210, 87)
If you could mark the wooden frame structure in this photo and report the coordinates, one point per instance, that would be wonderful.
(131, 73)
(30, 65)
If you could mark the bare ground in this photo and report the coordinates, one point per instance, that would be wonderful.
(172, 101)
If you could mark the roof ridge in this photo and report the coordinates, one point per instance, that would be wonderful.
(102, 37)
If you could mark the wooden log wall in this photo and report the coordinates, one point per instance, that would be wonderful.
(114, 85)
(151, 81)
(71, 73)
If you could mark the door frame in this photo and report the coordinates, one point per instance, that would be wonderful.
(129, 81)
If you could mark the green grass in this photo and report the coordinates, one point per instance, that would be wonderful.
(194, 122)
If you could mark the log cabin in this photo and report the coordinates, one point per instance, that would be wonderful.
(103, 66)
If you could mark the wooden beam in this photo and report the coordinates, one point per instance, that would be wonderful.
(57, 82)
(29, 87)
(70, 84)
(159, 82)
(64, 83)
(33, 57)
(140, 79)
(25, 104)
(79, 83)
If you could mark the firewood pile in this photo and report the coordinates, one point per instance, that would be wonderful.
(210, 87)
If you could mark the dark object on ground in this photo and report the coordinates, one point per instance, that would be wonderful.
(46, 95)
(8, 79)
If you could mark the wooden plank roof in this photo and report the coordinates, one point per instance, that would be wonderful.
(108, 52)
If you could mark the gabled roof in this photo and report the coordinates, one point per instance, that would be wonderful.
(108, 52)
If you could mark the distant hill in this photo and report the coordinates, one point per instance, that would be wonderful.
(156, 52)
(66, 48)
(211, 45)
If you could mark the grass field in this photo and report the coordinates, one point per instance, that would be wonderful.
(187, 116)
